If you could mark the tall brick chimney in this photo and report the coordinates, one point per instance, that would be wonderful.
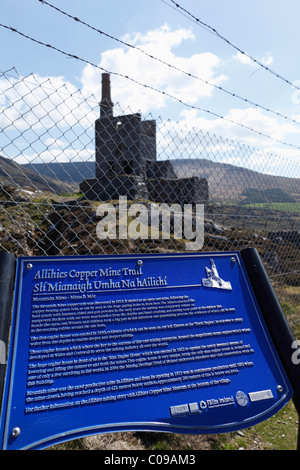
(106, 104)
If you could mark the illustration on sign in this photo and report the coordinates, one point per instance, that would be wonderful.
(213, 279)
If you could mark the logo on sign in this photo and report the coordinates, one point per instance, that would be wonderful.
(213, 279)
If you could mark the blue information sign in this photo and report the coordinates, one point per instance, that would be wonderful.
(172, 343)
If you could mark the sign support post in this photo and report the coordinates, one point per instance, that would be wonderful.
(276, 322)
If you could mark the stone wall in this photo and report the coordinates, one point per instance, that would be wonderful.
(178, 191)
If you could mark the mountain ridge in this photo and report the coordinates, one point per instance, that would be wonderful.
(227, 182)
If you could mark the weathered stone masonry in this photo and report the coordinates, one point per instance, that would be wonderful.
(126, 163)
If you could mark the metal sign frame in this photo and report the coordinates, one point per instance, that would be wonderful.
(175, 343)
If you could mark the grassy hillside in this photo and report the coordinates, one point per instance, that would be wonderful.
(232, 184)
(13, 174)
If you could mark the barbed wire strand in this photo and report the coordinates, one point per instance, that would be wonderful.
(214, 31)
(164, 93)
(190, 75)
(94, 103)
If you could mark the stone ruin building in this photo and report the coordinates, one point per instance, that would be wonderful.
(126, 163)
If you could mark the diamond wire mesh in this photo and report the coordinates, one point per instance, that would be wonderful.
(47, 148)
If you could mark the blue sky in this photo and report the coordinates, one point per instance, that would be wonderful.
(267, 30)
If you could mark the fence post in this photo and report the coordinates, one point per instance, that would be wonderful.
(7, 272)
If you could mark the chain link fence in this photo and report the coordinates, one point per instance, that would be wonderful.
(55, 171)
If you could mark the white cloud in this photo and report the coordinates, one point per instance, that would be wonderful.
(162, 37)
(36, 102)
(130, 62)
(245, 59)
(251, 118)
(56, 156)
(50, 141)
(217, 139)
(45, 119)
(56, 122)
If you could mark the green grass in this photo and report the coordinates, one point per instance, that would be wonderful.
(277, 433)
(279, 206)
